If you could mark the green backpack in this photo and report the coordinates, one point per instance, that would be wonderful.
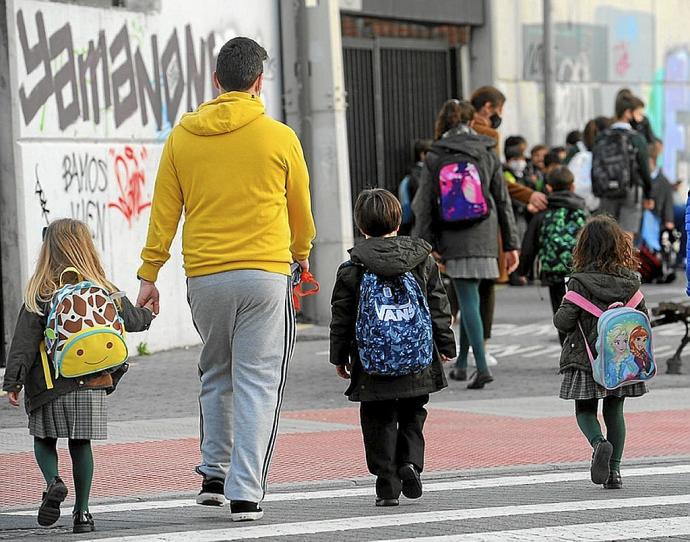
(558, 235)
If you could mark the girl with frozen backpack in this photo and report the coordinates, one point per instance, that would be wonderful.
(67, 353)
(604, 273)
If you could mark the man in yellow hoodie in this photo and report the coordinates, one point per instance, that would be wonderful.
(242, 181)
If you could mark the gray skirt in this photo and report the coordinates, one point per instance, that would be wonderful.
(580, 385)
(80, 415)
(472, 268)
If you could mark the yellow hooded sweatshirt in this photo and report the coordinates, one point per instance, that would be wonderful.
(241, 178)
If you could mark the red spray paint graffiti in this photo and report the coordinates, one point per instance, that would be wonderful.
(622, 58)
(131, 180)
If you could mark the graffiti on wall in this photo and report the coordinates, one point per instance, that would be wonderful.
(130, 177)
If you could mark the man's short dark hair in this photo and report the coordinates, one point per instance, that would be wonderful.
(627, 102)
(240, 62)
(553, 156)
(487, 94)
(573, 137)
(560, 179)
(377, 212)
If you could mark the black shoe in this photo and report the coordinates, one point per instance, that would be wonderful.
(599, 470)
(614, 481)
(480, 380)
(245, 511)
(380, 501)
(411, 481)
(212, 492)
(458, 374)
(83, 522)
(49, 511)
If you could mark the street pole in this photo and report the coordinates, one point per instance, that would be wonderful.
(549, 76)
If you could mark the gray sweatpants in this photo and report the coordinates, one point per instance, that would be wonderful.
(246, 321)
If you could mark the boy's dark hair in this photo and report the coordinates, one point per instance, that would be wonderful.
(602, 245)
(420, 147)
(511, 146)
(452, 113)
(553, 156)
(487, 94)
(573, 137)
(560, 179)
(377, 212)
(627, 102)
(240, 62)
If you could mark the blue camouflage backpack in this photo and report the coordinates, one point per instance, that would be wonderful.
(393, 328)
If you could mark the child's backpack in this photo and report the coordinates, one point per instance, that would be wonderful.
(624, 342)
(557, 239)
(613, 164)
(84, 331)
(393, 328)
(463, 197)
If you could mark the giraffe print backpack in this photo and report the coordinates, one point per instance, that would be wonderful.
(84, 331)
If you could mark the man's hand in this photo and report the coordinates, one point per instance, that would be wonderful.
(669, 226)
(304, 264)
(445, 359)
(148, 296)
(13, 397)
(538, 201)
(512, 260)
(344, 370)
(648, 204)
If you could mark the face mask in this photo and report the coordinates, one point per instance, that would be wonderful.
(518, 166)
(634, 124)
(495, 120)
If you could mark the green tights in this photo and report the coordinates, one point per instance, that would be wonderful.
(45, 450)
(586, 414)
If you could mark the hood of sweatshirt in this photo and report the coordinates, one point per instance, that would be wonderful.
(609, 288)
(226, 113)
(390, 256)
(569, 200)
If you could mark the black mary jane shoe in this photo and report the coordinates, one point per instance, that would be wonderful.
(458, 374)
(49, 511)
(614, 481)
(386, 502)
(82, 522)
(480, 380)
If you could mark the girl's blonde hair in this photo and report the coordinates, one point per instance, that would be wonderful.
(66, 243)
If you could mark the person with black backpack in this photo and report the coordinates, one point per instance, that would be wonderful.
(620, 167)
(408, 186)
(461, 202)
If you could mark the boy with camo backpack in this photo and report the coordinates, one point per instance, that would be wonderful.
(552, 235)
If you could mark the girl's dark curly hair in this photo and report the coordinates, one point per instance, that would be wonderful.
(602, 245)
(452, 113)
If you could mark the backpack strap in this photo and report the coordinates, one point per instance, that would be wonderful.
(46, 365)
(583, 303)
(635, 300)
(584, 339)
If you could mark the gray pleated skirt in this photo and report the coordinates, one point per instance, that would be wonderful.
(472, 268)
(81, 415)
(580, 385)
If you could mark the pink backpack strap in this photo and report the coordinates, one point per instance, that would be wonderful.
(583, 303)
(584, 338)
(635, 300)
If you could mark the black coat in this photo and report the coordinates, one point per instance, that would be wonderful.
(24, 365)
(391, 256)
(602, 289)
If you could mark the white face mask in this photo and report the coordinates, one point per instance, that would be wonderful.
(518, 166)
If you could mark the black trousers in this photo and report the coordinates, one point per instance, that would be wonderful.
(392, 437)
(556, 293)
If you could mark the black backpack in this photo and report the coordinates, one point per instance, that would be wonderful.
(614, 164)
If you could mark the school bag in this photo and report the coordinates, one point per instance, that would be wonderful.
(624, 342)
(558, 237)
(393, 326)
(463, 197)
(84, 331)
(614, 166)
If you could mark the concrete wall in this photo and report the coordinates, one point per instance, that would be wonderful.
(601, 47)
(95, 94)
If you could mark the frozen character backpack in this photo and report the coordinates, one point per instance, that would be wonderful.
(84, 332)
(393, 327)
(624, 342)
(463, 197)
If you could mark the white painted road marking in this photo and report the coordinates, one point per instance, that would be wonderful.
(580, 532)
(454, 485)
(390, 520)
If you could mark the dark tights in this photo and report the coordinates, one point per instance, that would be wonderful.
(586, 413)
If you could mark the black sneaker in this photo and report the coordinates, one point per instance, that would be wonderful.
(458, 374)
(601, 456)
(380, 501)
(614, 481)
(212, 492)
(245, 511)
(479, 380)
(82, 522)
(411, 481)
(49, 511)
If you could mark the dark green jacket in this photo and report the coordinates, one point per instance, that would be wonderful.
(389, 257)
(24, 366)
(602, 289)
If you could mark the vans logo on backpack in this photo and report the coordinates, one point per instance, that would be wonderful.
(396, 313)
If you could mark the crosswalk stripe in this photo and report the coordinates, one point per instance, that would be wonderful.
(389, 520)
(452, 485)
(580, 532)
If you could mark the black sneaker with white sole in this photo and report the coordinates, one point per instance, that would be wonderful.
(212, 492)
(411, 481)
(49, 511)
(245, 511)
(599, 471)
